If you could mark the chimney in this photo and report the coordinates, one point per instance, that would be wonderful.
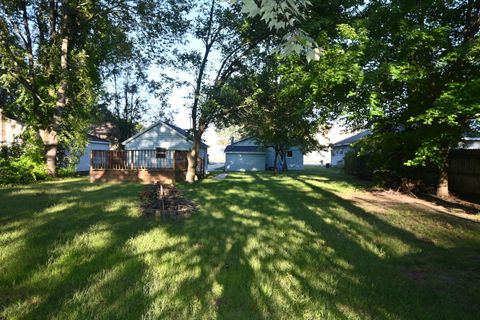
(232, 140)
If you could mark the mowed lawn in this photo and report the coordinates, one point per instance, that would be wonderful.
(259, 247)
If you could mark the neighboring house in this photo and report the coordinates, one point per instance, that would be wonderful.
(94, 143)
(340, 148)
(469, 143)
(163, 137)
(248, 155)
(9, 129)
(106, 130)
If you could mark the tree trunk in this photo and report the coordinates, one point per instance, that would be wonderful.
(50, 134)
(284, 160)
(192, 158)
(50, 141)
(442, 187)
(275, 160)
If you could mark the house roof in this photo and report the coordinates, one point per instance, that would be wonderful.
(93, 138)
(352, 139)
(178, 130)
(245, 149)
(247, 138)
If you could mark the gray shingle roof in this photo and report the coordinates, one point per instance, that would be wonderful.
(352, 139)
(91, 137)
(246, 149)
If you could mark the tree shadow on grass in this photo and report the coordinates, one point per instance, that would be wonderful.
(260, 247)
(70, 258)
(298, 251)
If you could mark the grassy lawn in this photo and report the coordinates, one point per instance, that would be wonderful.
(260, 247)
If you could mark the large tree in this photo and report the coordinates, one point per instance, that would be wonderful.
(421, 77)
(275, 104)
(226, 33)
(55, 51)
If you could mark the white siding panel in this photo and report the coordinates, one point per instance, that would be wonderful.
(296, 161)
(244, 162)
(84, 163)
(159, 136)
(338, 153)
(293, 163)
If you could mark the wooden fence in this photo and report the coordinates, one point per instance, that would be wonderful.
(464, 172)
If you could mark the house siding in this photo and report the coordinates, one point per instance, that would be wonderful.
(9, 129)
(293, 163)
(84, 161)
(160, 136)
(248, 161)
(338, 154)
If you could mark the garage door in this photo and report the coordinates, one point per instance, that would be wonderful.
(245, 162)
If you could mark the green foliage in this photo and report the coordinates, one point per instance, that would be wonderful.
(358, 164)
(55, 56)
(275, 105)
(420, 73)
(22, 161)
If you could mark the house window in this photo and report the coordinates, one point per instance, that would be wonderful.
(160, 153)
(289, 154)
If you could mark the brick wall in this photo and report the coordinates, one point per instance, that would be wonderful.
(144, 176)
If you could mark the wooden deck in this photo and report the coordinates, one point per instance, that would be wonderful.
(141, 166)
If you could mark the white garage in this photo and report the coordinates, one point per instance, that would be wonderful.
(244, 160)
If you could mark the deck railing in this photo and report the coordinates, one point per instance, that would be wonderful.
(142, 159)
(132, 159)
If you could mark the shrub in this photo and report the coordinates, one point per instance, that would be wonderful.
(358, 164)
(21, 162)
(381, 157)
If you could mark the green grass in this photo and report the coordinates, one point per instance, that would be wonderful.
(260, 247)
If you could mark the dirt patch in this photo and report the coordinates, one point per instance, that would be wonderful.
(381, 201)
(165, 201)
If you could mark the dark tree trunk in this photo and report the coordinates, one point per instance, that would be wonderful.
(275, 160)
(192, 156)
(284, 159)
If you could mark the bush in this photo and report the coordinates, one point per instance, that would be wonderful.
(358, 164)
(21, 162)
(380, 157)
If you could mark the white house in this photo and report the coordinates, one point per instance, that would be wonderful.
(469, 143)
(340, 148)
(248, 155)
(163, 136)
(94, 143)
(9, 129)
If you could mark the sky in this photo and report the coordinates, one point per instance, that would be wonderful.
(180, 103)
